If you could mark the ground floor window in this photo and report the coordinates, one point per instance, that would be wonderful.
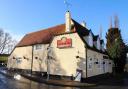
(90, 63)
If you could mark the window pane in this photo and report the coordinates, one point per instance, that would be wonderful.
(38, 46)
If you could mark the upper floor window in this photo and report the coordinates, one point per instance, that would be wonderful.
(90, 65)
(38, 46)
(86, 38)
(103, 47)
(98, 43)
(90, 40)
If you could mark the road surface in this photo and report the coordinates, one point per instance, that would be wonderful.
(11, 83)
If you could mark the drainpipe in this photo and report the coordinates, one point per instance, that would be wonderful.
(86, 62)
(32, 58)
(48, 68)
(48, 59)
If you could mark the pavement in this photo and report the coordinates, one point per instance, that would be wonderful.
(115, 80)
(24, 83)
(59, 82)
(50, 81)
(118, 81)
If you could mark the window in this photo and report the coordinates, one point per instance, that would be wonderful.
(90, 64)
(103, 47)
(86, 38)
(99, 65)
(98, 44)
(38, 46)
(18, 60)
(90, 40)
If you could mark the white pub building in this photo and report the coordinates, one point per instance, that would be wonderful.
(67, 50)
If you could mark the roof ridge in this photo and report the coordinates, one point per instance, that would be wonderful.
(46, 29)
(42, 36)
(78, 24)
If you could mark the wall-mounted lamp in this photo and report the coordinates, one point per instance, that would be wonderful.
(77, 57)
(14, 58)
(96, 62)
(36, 57)
(103, 62)
(24, 57)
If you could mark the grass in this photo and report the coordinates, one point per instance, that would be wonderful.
(3, 58)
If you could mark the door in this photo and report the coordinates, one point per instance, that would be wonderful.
(78, 75)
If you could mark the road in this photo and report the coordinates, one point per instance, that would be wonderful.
(11, 83)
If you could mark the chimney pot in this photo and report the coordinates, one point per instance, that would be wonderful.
(83, 24)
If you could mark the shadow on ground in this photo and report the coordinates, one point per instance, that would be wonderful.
(115, 80)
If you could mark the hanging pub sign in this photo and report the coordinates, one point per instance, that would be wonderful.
(64, 42)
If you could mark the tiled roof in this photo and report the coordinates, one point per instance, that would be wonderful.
(42, 36)
(80, 29)
(45, 36)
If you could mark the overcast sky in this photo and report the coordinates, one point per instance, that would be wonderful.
(20, 17)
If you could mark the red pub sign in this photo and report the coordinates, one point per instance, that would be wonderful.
(64, 42)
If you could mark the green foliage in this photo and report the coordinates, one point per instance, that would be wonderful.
(115, 45)
(3, 58)
(116, 50)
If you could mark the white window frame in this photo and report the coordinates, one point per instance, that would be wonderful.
(38, 47)
(90, 63)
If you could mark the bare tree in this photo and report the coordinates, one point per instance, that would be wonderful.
(11, 46)
(6, 42)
